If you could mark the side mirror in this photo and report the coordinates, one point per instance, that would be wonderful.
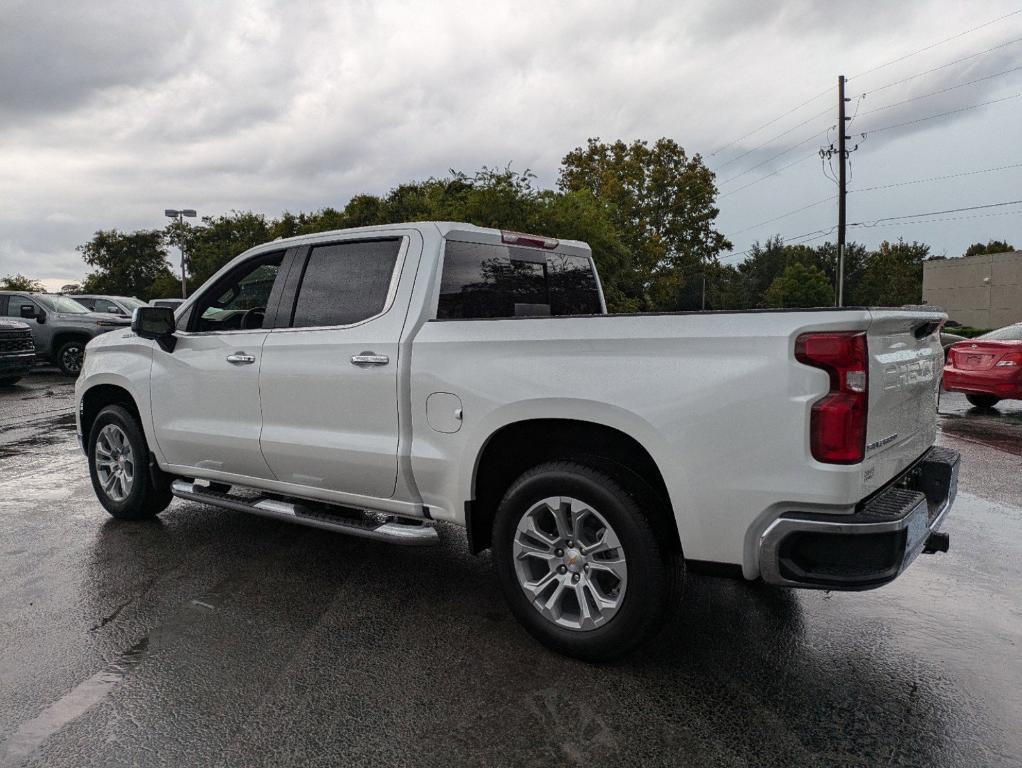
(155, 323)
(28, 312)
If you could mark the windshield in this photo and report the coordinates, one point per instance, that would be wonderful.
(1008, 333)
(131, 303)
(60, 304)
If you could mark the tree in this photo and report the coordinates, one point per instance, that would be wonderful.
(126, 263)
(992, 246)
(661, 202)
(217, 240)
(892, 275)
(800, 285)
(18, 282)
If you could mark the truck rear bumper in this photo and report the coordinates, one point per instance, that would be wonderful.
(872, 546)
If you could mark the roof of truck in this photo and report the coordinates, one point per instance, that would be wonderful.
(446, 229)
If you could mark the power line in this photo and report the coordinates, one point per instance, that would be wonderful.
(767, 176)
(770, 159)
(805, 237)
(773, 139)
(938, 178)
(769, 122)
(945, 66)
(941, 114)
(949, 218)
(934, 45)
(942, 90)
(876, 222)
(786, 215)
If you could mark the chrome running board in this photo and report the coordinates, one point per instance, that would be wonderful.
(354, 522)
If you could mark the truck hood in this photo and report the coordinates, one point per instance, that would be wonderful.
(90, 320)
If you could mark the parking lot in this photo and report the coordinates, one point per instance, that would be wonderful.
(209, 637)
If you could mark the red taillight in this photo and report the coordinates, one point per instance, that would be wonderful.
(533, 241)
(837, 426)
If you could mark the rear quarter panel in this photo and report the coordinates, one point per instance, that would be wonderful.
(716, 399)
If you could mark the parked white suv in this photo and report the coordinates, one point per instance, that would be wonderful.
(372, 381)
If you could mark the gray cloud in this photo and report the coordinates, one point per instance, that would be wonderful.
(117, 110)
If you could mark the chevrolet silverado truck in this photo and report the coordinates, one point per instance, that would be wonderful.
(375, 381)
(61, 327)
(17, 351)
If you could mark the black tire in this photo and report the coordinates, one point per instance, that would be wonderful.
(10, 382)
(148, 495)
(654, 569)
(983, 401)
(70, 357)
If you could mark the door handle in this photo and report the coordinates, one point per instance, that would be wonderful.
(240, 358)
(369, 358)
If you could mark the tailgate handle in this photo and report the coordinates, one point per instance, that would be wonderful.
(923, 330)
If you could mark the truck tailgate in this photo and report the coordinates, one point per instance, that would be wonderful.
(905, 363)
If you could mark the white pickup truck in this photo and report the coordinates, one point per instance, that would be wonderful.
(373, 381)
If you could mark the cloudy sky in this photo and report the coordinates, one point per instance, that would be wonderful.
(113, 111)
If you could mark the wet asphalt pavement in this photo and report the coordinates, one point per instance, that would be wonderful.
(213, 638)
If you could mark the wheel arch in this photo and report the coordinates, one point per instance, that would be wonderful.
(60, 338)
(516, 446)
(98, 397)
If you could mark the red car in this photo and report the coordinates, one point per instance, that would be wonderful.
(988, 368)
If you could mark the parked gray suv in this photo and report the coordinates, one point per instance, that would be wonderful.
(61, 327)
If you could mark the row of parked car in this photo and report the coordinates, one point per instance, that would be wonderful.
(56, 328)
(987, 369)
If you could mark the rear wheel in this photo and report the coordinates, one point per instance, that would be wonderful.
(983, 401)
(70, 357)
(579, 563)
(119, 467)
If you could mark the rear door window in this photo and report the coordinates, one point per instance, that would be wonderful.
(345, 283)
(488, 281)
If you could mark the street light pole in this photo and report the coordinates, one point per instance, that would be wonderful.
(179, 216)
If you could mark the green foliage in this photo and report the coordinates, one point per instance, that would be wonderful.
(992, 246)
(661, 203)
(892, 276)
(18, 282)
(967, 331)
(218, 240)
(125, 263)
(800, 285)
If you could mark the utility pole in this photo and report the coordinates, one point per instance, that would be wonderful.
(179, 216)
(841, 183)
(704, 291)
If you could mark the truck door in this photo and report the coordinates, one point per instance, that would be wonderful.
(329, 375)
(205, 393)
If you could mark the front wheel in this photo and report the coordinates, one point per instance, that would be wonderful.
(70, 357)
(983, 401)
(579, 563)
(119, 467)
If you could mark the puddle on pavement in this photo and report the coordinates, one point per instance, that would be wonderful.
(1004, 435)
(22, 439)
(69, 707)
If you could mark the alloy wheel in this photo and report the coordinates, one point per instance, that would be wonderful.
(115, 462)
(570, 563)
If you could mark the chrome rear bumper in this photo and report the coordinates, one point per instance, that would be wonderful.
(870, 547)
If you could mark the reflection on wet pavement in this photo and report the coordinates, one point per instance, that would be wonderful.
(208, 637)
